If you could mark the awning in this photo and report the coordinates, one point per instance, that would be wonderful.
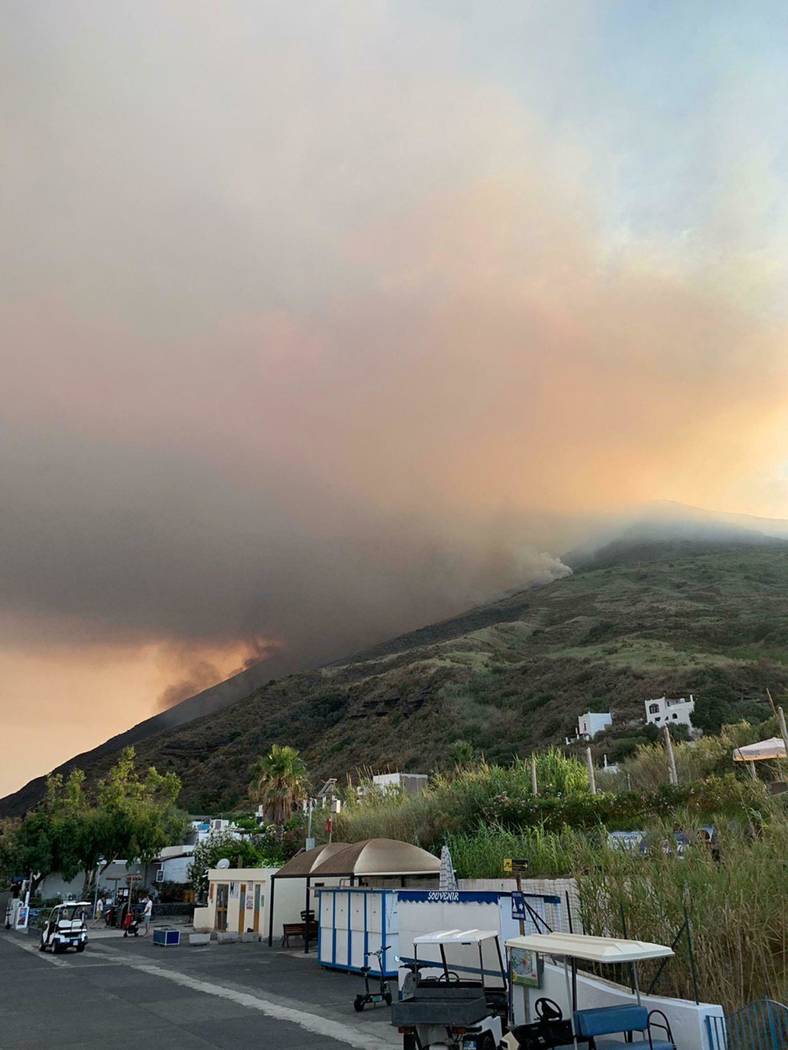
(304, 863)
(594, 949)
(378, 857)
(774, 747)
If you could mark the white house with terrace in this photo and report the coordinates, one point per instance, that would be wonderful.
(663, 711)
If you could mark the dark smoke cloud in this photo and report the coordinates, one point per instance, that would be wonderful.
(314, 332)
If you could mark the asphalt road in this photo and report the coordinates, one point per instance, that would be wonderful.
(121, 994)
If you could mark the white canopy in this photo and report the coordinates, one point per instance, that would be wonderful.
(774, 747)
(595, 949)
(456, 937)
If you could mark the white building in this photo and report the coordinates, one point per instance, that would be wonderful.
(408, 783)
(593, 722)
(204, 828)
(662, 711)
(171, 865)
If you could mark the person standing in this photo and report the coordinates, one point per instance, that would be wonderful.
(147, 913)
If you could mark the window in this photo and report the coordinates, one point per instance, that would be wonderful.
(653, 708)
(160, 875)
(675, 716)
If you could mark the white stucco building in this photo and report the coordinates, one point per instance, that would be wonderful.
(408, 783)
(663, 711)
(593, 722)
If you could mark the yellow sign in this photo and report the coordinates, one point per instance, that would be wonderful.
(507, 865)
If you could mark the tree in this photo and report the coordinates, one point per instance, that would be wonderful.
(132, 817)
(279, 781)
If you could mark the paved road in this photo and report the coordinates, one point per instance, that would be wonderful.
(124, 993)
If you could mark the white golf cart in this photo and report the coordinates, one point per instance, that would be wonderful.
(66, 927)
(460, 1004)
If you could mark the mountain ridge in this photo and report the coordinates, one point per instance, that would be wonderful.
(639, 620)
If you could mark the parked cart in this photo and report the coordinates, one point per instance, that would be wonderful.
(461, 1003)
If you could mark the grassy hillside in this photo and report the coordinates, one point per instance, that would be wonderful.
(634, 622)
(515, 674)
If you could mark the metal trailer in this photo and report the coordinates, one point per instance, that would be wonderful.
(353, 924)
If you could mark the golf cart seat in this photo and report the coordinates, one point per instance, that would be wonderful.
(623, 1020)
(438, 1004)
(619, 1044)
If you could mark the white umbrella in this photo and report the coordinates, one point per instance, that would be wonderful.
(448, 880)
(774, 747)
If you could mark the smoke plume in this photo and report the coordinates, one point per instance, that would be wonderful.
(324, 322)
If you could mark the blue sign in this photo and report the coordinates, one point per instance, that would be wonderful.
(518, 906)
(451, 896)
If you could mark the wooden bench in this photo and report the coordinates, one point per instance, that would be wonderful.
(297, 929)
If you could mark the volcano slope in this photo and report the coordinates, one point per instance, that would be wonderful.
(633, 622)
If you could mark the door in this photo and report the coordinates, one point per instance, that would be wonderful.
(242, 909)
(256, 923)
(222, 889)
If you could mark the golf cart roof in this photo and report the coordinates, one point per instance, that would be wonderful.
(456, 937)
(595, 949)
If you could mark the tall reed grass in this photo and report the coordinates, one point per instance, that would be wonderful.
(735, 897)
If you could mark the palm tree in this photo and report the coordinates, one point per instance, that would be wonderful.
(279, 782)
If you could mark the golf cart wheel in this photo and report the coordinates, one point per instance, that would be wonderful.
(80, 947)
(409, 1041)
(487, 1043)
(57, 948)
(358, 1003)
(42, 945)
(387, 998)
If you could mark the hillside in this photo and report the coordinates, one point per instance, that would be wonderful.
(633, 621)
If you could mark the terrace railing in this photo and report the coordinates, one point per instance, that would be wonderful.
(762, 1025)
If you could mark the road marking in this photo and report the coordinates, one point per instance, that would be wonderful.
(311, 1022)
(28, 947)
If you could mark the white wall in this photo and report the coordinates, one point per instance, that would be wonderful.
(289, 899)
(56, 886)
(687, 1019)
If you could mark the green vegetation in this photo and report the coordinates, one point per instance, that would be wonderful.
(130, 815)
(733, 888)
(263, 849)
(512, 676)
(279, 782)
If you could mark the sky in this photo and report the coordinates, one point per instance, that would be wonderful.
(321, 321)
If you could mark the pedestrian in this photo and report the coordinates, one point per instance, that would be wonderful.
(99, 908)
(147, 913)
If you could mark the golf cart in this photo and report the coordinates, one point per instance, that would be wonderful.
(588, 1028)
(66, 927)
(449, 1011)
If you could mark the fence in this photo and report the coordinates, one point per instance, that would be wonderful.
(762, 1025)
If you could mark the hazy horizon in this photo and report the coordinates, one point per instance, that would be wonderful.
(324, 322)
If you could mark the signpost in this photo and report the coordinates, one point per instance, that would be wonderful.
(520, 968)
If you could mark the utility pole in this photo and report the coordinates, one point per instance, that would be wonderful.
(591, 776)
(783, 730)
(534, 781)
(672, 774)
(771, 702)
(310, 842)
